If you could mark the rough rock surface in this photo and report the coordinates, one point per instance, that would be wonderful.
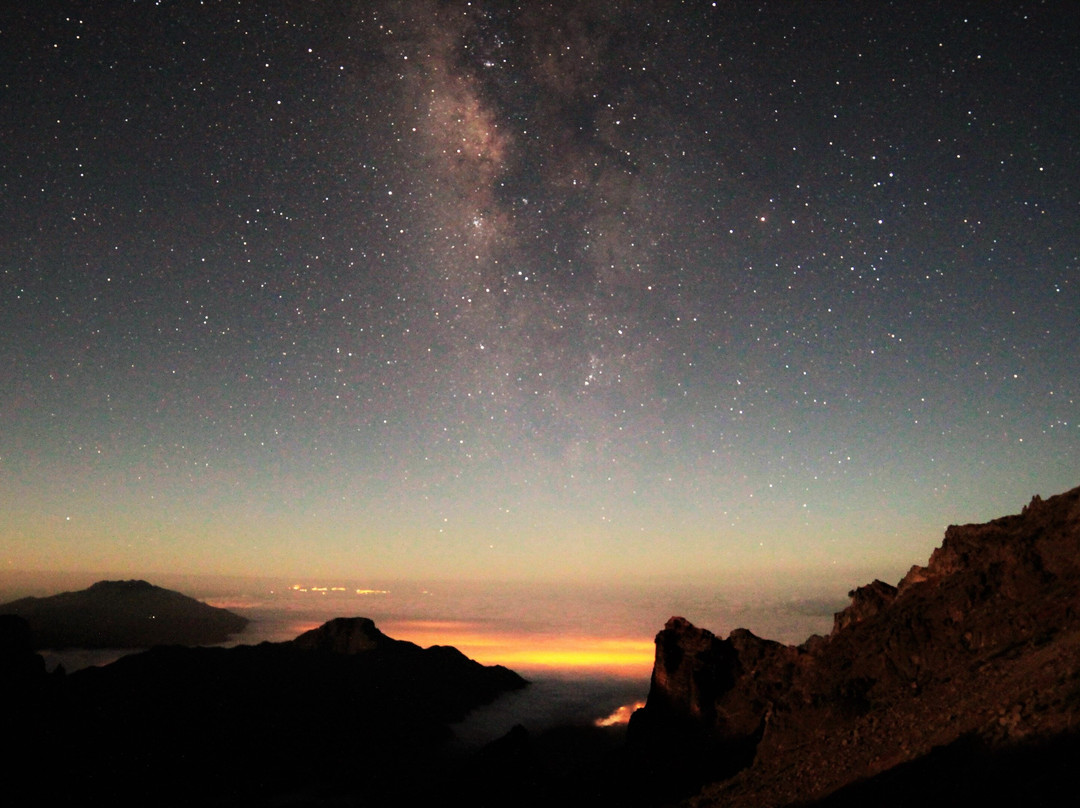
(974, 659)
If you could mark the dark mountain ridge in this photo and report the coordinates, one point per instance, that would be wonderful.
(967, 667)
(342, 712)
(123, 614)
(958, 685)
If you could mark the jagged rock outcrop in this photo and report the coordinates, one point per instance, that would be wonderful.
(722, 686)
(974, 657)
(709, 699)
(866, 601)
(123, 614)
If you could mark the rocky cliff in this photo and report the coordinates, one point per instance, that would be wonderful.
(968, 666)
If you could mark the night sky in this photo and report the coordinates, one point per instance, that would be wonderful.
(545, 290)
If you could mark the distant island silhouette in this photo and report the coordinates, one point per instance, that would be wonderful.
(123, 614)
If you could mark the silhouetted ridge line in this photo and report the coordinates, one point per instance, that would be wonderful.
(342, 710)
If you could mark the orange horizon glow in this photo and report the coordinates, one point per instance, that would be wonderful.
(617, 656)
(621, 656)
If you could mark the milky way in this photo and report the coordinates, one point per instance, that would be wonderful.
(479, 289)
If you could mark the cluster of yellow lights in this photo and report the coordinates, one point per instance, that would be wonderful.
(325, 589)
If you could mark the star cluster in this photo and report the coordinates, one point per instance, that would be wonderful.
(540, 290)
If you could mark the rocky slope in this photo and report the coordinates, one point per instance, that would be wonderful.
(123, 614)
(967, 669)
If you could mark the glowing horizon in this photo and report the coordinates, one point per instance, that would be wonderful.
(434, 289)
(525, 651)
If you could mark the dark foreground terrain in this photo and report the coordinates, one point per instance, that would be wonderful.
(960, 685)
(343, 713)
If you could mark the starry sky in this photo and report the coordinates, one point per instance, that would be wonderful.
(546, 290)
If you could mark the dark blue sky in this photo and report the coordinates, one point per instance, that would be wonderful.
(549, 290)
